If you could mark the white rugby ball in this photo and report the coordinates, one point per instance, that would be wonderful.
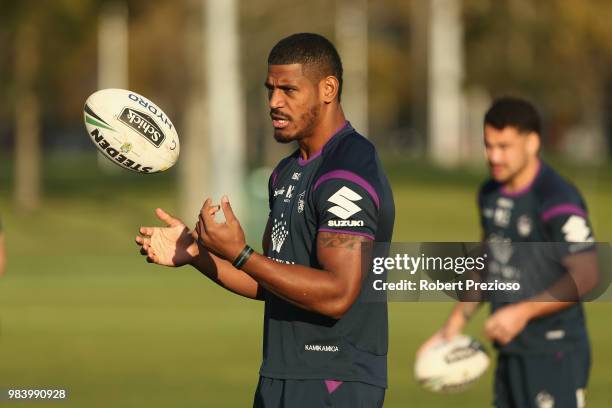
(451, 366)
(131, 131)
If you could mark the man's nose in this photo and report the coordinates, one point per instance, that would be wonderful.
(494, 155)
(276, 99)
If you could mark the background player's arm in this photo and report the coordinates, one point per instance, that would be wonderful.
(2, 254)
(460, 315)
(581, 277)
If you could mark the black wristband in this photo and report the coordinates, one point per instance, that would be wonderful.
(241, 259)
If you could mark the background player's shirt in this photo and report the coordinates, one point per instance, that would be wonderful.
(550, 210)
(341, 189)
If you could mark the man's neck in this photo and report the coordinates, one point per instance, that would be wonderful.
(326, 129)
(524, 178)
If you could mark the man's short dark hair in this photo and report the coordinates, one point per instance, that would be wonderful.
(311, 50)
(513, 112)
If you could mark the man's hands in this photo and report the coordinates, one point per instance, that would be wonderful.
(175, 245)
(172, 245)
(226, 239)
(444, 334)
(508, 321)
(460, 315)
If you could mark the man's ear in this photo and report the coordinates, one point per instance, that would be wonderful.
(328, 89)
(533, 143)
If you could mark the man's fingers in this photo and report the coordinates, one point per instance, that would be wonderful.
(167, 218)
(494, 331)
(213, 209)
(425, 346)
(151, 255)
(206, 216)
(143, 240)
(146, 231)
(199, 229)
(227, 210)
(501, 336)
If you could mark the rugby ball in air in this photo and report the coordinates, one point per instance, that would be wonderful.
(131, 131)
(451, 366)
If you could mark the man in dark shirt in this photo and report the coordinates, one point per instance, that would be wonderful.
(544, 354)
(323, 345)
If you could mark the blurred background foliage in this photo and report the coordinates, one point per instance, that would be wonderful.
(556, 53)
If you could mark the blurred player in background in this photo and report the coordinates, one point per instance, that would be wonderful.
(544, 352)
(322, 345)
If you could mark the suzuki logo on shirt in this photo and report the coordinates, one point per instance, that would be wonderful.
(345, 207)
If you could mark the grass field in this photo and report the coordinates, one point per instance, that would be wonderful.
(80, 309)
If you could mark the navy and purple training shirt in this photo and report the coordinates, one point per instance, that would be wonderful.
(340, 189)
(549, 210)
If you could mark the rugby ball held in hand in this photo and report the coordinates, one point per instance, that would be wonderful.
(131, 131)
(451, 366)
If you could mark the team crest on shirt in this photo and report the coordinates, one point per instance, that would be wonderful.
(524, 225)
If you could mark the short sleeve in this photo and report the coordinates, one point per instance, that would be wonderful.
(346, 203)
